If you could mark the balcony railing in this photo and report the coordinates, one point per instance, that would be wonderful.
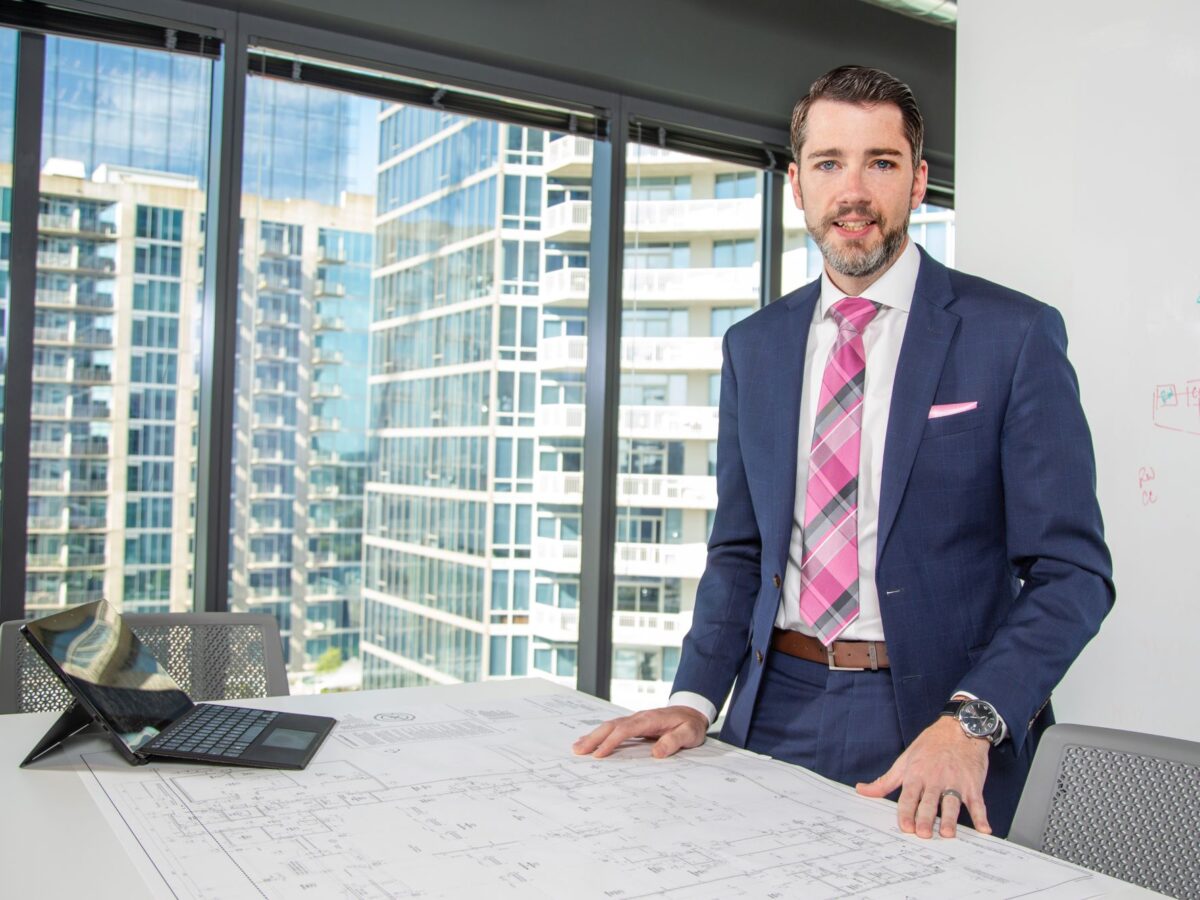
(639, 629)
(572, 220)
(650, 560)
(659, 285)
(673, 491)
(678, 422)
(656, 354)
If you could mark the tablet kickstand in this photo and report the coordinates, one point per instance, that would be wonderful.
(73, 719)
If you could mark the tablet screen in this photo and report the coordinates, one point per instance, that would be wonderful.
(109, 666)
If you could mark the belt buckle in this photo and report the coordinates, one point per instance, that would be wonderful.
(836, 668)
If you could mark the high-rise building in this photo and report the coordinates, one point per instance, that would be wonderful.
(115, 374)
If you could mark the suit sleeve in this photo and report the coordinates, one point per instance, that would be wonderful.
(1054, 533)
(717, 642)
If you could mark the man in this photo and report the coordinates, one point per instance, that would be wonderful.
(906, 488)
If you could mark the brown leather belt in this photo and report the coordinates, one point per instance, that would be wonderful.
(857, 655)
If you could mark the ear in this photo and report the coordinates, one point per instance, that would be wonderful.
(920, 182)
(793, 174)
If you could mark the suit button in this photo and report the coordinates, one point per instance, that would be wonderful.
(777, 581)
(758, 656)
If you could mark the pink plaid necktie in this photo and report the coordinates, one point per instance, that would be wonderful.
(829, 567)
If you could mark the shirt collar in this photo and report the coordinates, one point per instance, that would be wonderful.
(894, 288)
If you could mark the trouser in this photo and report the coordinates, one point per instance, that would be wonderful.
(842, 725)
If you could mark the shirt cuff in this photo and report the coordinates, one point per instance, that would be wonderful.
(1003, 725)
(694, 701)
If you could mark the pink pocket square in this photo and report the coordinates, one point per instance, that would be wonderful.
(938, 411)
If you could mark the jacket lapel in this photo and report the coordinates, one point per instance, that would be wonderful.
(927, 338)
(790, 366)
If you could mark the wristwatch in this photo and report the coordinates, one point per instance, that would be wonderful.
(978, 718)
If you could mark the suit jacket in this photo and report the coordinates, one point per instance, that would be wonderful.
(992, 569)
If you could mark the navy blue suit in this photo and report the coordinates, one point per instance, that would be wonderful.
(992, 569)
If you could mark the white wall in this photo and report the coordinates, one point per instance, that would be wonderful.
(1078, 181)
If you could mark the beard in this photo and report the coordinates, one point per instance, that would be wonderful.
(854, 259)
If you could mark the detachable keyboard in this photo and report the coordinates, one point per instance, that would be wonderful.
(212, 731)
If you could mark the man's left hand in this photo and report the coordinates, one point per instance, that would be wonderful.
(942, 759)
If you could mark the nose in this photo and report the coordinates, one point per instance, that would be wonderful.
(852, 187)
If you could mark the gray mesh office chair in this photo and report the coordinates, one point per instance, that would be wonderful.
(213, 656)
(1117, 802)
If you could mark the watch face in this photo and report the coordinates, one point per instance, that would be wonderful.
(978, 718)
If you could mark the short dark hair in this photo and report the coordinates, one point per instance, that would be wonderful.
(866, 87)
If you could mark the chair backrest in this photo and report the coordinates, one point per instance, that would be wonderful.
(1117, 802)
(213, 656)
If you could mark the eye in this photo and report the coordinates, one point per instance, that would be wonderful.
(884, 164)
(826, 165)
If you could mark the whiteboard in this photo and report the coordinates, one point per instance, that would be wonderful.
(1078, 182)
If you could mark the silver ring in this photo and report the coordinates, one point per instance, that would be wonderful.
(951, 792)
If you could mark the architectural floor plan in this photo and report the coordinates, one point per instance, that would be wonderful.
(485, 799)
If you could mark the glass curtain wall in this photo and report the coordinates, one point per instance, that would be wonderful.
(407, 463)
(692, 249)
(117, 307)
(300, 420)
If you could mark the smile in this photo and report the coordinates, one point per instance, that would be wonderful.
(853, 226)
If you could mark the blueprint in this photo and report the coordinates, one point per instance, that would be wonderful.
(485, 799)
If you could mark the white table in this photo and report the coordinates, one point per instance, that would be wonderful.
(55, 842)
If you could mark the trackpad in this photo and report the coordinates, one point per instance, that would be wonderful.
(288, 739)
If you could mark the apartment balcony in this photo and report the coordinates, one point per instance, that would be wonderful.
(659, 286)
(325, 424)
(52, 334)
(262, 386)
(85, 560)
(50, 372)
(323, 490)
(554, 624)
(275, 284)
(275, 454)
(262, 351)
(71, 298)
(44, 560)
(56, 484)
(48, 448)
(649, 560)
(49, 409)
(326, 391)
(74, 261)
(274, 317)
(263, 420)
(673, 491)
(324, 288)
(75, 223)
(571, 157)
(638, 629)
(80, 522)
(698, 423)
(568, 221)
(324, 357)
(324, 457)
(89, 486)
(260, 526)
(677, 354)
(84, 410)
(329, 323)
(94, 337)
(95, 446)
(56, 522)
(572, 220)
(90, 374)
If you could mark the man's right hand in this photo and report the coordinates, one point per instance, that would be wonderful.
(675, 727)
